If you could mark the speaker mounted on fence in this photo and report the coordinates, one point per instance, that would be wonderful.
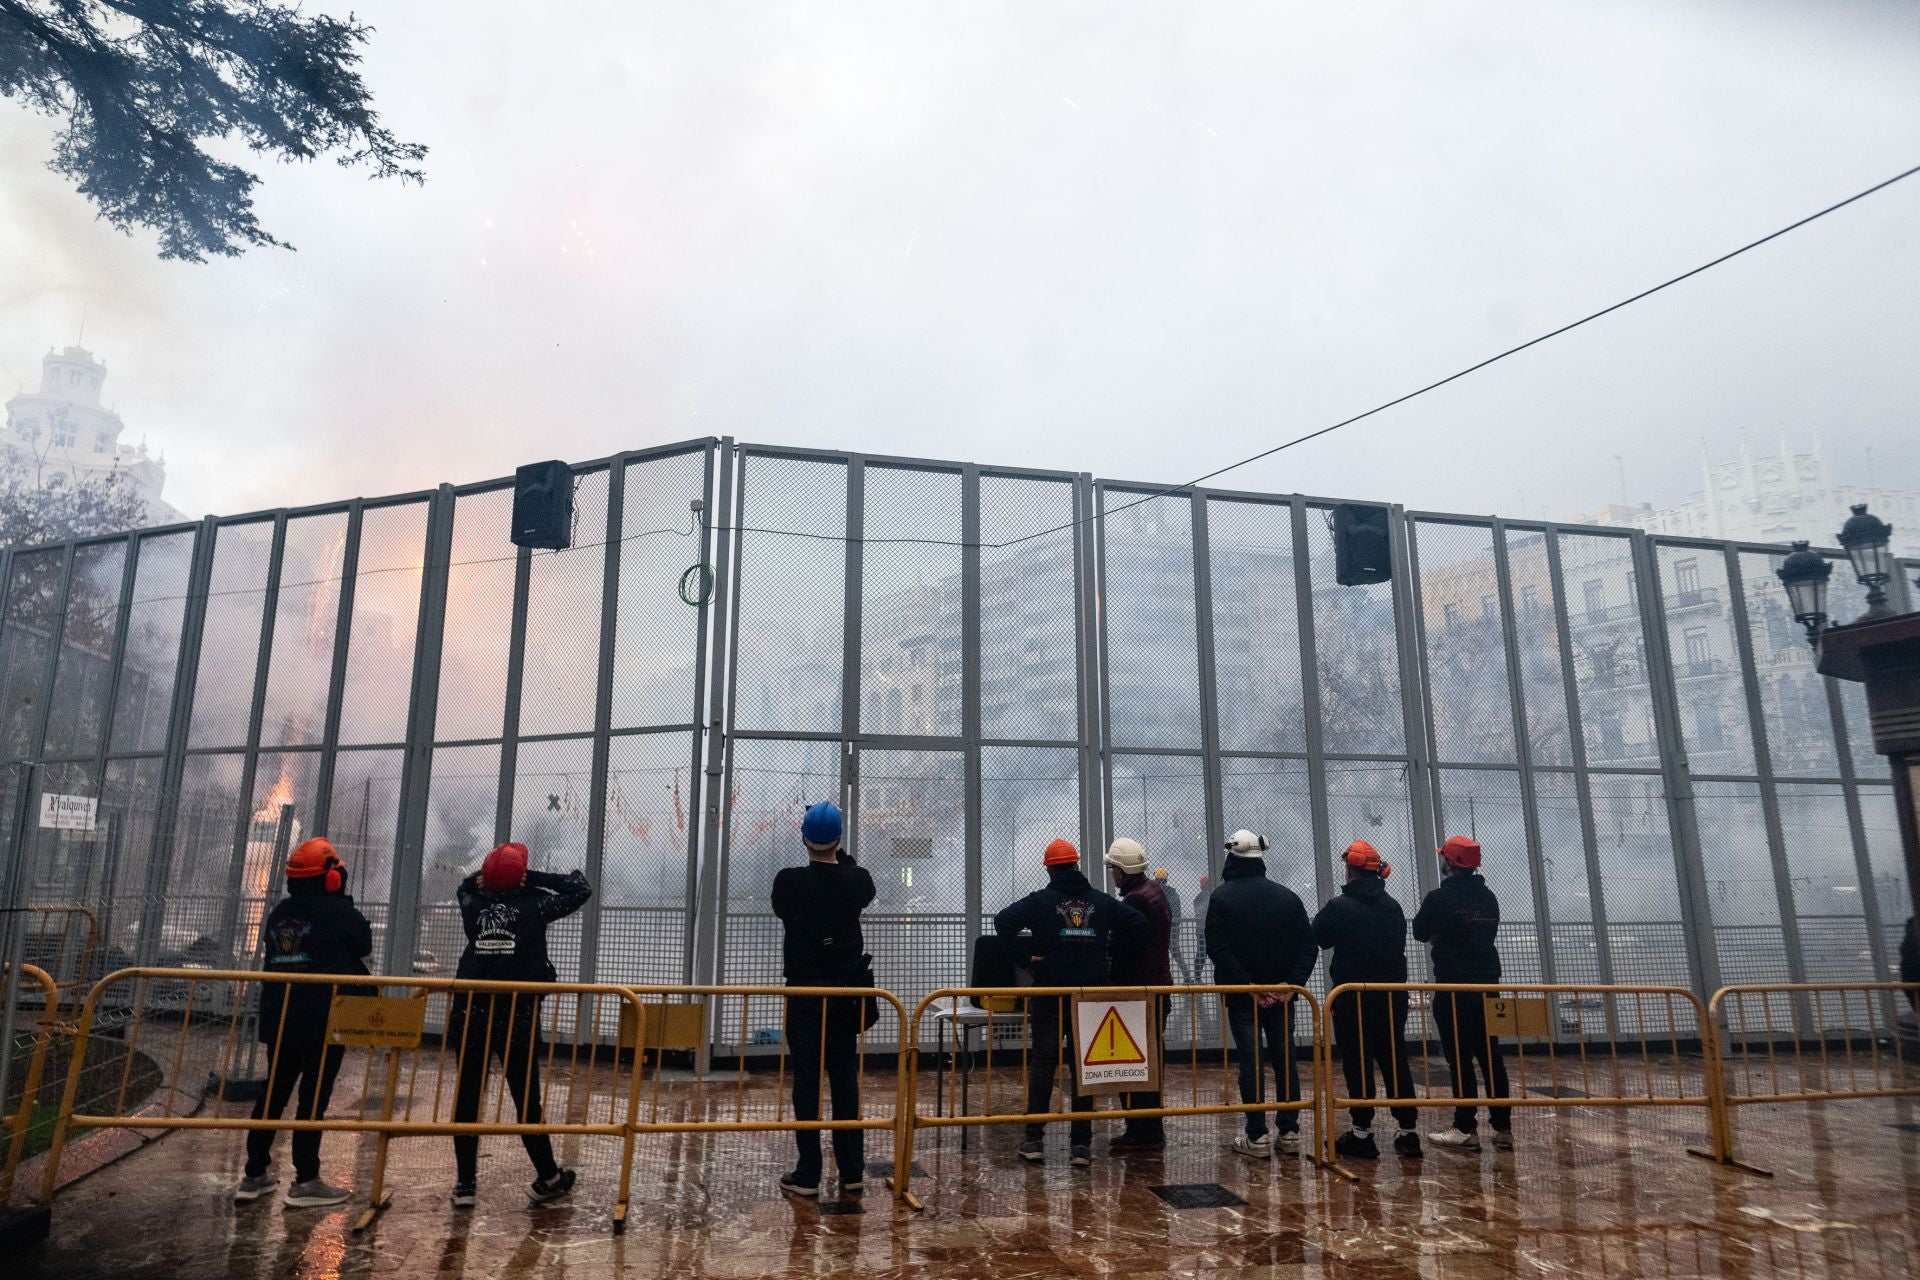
(1362, 549)
(543, 506)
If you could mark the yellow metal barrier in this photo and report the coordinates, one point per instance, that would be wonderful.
(556, 1038)
(744, 1029)
(581, 1049)
(1611, 1046)
(1813, 1042)
(20, 1124)
(1013, 1004)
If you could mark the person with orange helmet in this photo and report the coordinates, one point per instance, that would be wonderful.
(1367, 932)
(1461, 919)
(314, 929)
(1076, 935)
(506, 908)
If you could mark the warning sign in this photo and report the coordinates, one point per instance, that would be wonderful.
(1113, 1039)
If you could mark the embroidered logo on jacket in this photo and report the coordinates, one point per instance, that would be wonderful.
(287, 943)
(1077, 919)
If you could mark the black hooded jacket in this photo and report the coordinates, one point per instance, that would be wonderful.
(1257, 929)
(1080, 935)
(820, 905)
(507, 932)
(1462, 920)
(309, 931)
(1367, 931)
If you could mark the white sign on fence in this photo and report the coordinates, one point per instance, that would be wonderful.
(68, 813)
(1113, 1045)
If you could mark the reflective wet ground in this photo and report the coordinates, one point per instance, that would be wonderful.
(1586, 1194)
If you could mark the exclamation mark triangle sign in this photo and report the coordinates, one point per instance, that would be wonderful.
(1113, 1044)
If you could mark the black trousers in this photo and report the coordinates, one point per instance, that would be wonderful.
(1370, 1031)
(1461, 1019)
(1151, 1126)
(508, 1028)
(1047, 1015)
(1263, 1038)
(839, 1052)
(312, 1066)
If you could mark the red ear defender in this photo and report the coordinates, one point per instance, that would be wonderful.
(336, 879)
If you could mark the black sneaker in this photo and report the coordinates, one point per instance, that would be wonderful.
(1354, 1146)
(797, 1184)
(547, 1190)
(463, 1195)
(852, 1186)
(1407, 1143)
(1081, 1156)
(1033, 1151)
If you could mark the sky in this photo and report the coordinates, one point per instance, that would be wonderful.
(1136, 240)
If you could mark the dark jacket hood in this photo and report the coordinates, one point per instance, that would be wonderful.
(1370, 888)
(1068, 879)
(307, 887)
(1239, 868)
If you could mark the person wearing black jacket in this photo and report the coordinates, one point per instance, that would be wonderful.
(1367, 932)
(1077, 934)
(314, 929)
(1462, 920)
(819, 906)
(1257, 931)
(1151, 966)
(506, 909)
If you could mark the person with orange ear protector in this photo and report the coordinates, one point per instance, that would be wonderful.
(314, 929)
(1367, 932)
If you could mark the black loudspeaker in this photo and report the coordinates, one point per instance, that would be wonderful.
(1362, 551)
(543, 506)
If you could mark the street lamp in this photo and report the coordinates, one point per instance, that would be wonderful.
(1804, 573)
(1865, 538)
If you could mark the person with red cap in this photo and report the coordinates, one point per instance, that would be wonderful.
(506, 909)
(1367, 933)
(1461, 919)
(314, 929)
(1076, 936)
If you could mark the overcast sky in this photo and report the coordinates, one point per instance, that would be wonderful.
(1137, 240)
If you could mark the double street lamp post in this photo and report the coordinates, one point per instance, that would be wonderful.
(1880, 649)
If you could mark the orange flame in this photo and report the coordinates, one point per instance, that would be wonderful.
(279, 794)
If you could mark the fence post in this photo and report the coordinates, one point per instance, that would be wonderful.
(153, 907)
(409, 855)
(1682, 817)
(17, 884)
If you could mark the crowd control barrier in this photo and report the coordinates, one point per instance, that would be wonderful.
(165, 1049)
(1815, 1042)
(19, 1124)
(1559, 1045)
(1166, 1034)
(435, 1056)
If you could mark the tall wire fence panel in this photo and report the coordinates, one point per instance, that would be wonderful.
(971, 661)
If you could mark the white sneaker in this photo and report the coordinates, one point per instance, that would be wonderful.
(1260, 1148)
(1455, 1140)
(1287, 1144)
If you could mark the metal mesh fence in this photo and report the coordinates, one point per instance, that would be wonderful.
(1652, 765)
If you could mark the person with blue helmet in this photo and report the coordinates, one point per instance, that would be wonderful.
(819, 906)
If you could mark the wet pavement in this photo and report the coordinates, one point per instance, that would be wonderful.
(1586, 1194)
